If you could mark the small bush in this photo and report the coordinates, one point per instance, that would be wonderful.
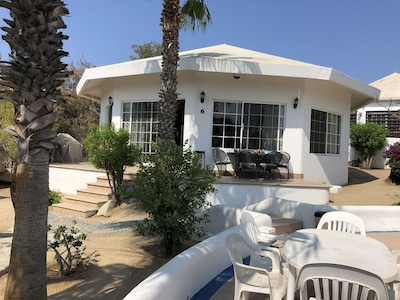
(55, 197)
(68, 246)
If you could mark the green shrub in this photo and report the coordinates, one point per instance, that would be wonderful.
(172, 188)
(367, 139)
(111, 150)
(68, 246)
(55, 197)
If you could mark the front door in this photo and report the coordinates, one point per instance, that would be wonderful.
(179, 122)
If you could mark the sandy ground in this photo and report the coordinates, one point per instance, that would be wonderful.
(127, 258)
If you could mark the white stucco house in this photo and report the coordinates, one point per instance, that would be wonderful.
(251, 100)
(384, 110)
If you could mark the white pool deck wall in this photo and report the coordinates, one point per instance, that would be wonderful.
(68, 181)
(209, 258)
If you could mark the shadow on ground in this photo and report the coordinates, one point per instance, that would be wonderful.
(358, 176)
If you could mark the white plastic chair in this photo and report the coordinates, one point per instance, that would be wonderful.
(395, 285)
(342, 221)
(252, 233)
(331, 281)
(254, 279)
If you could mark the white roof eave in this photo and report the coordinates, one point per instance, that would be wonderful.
(264, 65)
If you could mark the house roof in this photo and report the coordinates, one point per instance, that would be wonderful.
(227, 59)
(389, 86)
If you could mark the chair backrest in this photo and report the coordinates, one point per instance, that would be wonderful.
(250, 228)
(331, 281)
(342, 221)
(284, 159)
(276, 157)
(247, 159)
(219, 155)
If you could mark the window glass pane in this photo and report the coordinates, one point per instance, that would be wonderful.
(263, 125)
(325, 132)
(141, 119)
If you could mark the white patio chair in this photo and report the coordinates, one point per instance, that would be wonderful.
(395, 285)
(330, 281)
(255, 279)
(257, 236)
(342, 221)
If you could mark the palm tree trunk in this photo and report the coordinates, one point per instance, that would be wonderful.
(27, 271)
(170, 23)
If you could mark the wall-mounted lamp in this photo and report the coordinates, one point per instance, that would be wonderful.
(110, 101)
(295, 102)
(202, 96)
(236, 76)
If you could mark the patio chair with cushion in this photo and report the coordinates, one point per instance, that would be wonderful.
(270, 163)
(254, 279)
(248, 162)
(342, 221)
(331, 281)
(221, 160)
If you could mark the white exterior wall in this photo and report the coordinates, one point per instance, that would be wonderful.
(312, 94)
(325, 168)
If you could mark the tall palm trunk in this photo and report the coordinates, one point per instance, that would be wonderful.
(32, 77)
(170, 24)
(28, 253)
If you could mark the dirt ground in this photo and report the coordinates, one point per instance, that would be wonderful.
(127, 258)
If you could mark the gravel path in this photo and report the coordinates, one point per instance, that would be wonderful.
(56, 219)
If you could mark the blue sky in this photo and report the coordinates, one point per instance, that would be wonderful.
(360, 38)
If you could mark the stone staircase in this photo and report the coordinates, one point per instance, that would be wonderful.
(87, 201)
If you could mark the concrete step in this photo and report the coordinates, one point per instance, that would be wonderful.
(127, 177)
(89, 202)
(100, 195)
(100, 186)
(73, 209)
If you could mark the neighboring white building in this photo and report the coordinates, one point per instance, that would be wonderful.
(250, 102)
(378, 112)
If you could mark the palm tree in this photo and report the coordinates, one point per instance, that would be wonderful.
(194, 12)
(32, 79)
(195, 15)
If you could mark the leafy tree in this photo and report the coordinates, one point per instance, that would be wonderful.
(78, 113)
(32, 80)
(110, 150)
(172, 188)
(149, 49)
(368, 139)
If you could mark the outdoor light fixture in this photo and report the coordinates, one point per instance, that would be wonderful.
(295, 102)
(236, 76)
(202, 96)
(110, 100)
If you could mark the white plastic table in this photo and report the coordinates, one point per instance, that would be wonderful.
(319, 245)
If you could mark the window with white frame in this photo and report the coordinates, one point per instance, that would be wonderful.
(141, 120)
(241, 125)
(325, 132)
